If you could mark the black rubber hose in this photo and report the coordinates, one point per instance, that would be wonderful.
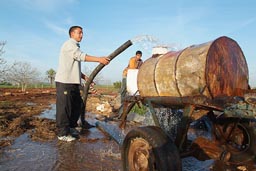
(100, 66)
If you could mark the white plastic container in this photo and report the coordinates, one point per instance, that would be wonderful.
(131, 82)
(159, 50)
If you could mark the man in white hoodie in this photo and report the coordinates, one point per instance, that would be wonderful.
(68, 80)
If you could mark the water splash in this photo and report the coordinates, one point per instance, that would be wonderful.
(148, 42)
(145, 38)
(169, 120)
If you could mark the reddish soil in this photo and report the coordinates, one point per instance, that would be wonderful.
(17, 110)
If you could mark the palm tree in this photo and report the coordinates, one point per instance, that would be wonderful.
(51, 75)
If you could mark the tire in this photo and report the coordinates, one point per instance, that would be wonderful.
(149, 149)
(241, 142)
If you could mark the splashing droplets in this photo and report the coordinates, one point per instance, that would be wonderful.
(148, 42)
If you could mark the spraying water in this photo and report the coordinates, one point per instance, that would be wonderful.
(169, 119)
(148, 42)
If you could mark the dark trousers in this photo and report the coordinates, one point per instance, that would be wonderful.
(68, 107)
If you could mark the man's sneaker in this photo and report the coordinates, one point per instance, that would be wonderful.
(74, 132)
(67, 138)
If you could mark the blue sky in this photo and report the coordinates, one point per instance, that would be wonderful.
(35, 29)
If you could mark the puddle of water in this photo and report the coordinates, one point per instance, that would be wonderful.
(94, 151)
(27, 155)
(191, 163)
(31, 104)
(49, 113)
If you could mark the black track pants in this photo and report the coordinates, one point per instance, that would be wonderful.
(68, 107)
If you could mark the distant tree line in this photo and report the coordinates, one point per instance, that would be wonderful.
(51, 75)
(21, 73)
(3, 65)
(117, 84)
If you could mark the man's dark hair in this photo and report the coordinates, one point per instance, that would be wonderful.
(73, 28)
(138, 52)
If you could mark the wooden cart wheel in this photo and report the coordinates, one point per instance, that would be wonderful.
(149, 149)
(238, 138)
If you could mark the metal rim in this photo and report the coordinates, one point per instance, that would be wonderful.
(138, 155)
(236, 136)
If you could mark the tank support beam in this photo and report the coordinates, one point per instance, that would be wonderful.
(153, 113)
(126, 107)
(183, 127)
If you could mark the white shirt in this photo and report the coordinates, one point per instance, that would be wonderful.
(69, 70)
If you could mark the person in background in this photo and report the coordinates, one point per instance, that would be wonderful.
(68, 80)
(134, 63)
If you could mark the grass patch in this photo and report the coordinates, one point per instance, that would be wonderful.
(139, 110)
(107, 89)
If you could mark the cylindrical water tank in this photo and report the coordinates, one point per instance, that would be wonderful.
(213, 69)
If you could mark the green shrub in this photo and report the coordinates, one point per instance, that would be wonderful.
(5, 84)
(139, 110)
(117, 84)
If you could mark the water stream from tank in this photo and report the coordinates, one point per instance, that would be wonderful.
(148, 42)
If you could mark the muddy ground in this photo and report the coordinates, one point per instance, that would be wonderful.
(18, 110)
(28, 141)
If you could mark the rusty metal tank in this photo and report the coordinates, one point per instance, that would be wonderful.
(212, 69)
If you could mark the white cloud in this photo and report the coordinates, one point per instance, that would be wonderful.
(68, 21)
(248, 22)
(57, 29)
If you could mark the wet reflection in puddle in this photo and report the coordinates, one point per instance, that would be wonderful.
(27, 155)
(49, 113)
(98, 153)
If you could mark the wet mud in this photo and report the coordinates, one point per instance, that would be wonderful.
(28, 138)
